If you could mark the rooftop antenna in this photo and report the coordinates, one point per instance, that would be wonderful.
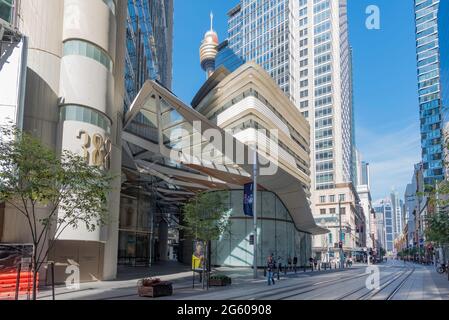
(211, 21)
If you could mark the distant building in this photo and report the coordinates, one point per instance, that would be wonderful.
(364, 192)
(384, 215)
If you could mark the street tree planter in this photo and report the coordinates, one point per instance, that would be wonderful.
(220, 281)
(154, 288)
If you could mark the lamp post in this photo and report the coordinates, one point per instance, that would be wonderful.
(340, 242)
(255, 169)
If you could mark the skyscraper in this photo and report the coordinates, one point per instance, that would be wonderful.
(429, 82)
(304, 46)
(264, 32)
(396, 204)
(443, 32)
(384, 213)
(149, 45)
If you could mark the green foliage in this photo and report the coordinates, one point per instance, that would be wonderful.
(32, 176)
(206, 216)
(438, 228)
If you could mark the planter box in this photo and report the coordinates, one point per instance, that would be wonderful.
(159, 289)
(219, 282)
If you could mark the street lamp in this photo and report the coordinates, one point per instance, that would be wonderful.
(340, 242)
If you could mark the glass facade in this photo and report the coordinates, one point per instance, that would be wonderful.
(87, 115)
(6, 10)
(429, 83)
(226, 57)
(89, 50)
(149, 38)
(295, 41)
(443, 31)
(261, 31)
(277, 234)
(144, 210)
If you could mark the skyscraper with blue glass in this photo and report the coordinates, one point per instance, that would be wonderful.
(443, 31)
(304, 46)
(149, 44)
(430, 94)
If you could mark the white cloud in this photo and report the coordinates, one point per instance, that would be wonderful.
(392, 149)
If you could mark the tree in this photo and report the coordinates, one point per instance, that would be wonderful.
(33, 177)
(206, 216)
(438, 228)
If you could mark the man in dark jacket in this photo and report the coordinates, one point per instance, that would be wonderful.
(271, 266)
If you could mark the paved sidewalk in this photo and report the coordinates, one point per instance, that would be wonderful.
(125, 287)
(424, 284)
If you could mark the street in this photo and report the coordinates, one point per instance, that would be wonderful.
(397, 282)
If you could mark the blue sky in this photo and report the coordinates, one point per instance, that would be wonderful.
(385, 85)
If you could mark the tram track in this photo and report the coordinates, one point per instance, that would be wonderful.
(387, 284)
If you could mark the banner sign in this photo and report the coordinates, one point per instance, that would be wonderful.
(248, 199)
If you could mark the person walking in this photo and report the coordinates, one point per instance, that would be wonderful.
(271, 265)
(295, 262)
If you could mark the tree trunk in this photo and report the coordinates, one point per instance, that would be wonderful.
(35, 272)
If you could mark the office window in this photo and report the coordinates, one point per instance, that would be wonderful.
(332, 198)
(322, 199)
(322, 211)
(6, 10)
(342, 197)
(332, 211)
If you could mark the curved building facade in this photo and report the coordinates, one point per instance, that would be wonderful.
(277, 234)
(74, 101)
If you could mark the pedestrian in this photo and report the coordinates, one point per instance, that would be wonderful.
(271, 265)
(295, 262)
(315, 263)
(311, 263)
(290, 263)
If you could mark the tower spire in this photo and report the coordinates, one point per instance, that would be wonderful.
(211, 21)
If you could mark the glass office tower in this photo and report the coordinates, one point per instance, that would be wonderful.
(443, 31)
(143, 213)
(263, 32)
(149, 43)
(430, 103)
(304, 47)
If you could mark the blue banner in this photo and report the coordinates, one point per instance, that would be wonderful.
(248, 199)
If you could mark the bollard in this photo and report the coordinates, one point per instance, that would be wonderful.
(53, 281)
(19, 269)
